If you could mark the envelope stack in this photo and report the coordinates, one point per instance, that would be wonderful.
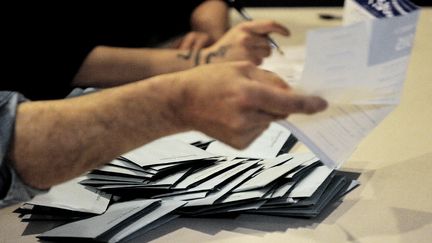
(187, 175)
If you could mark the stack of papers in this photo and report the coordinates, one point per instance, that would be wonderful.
(66, 202)
(121, 222)
(168, 178)
(151, 169)
(359, 68)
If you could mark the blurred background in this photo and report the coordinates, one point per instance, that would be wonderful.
(311, 3)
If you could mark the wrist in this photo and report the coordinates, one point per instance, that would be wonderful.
(190, 58)
(204, 54)
(198, 57)
(215, 35)
(174, 90)
(214, 54)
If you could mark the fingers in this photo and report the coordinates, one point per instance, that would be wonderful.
(194, 40)
(238, 101)
(241, 141)
(264, 27)
(187, 42)
(201, 42)
(305, 104)
(276, 97)
(254, 58)
(267, 77)
(260, 118)
(255, 50)
(282, 102)
(261, 52)
(257, 41)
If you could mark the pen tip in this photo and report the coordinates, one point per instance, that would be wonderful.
(281, 52)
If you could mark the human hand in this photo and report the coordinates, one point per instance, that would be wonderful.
(237, 101)
(246, 41)
(195, 40)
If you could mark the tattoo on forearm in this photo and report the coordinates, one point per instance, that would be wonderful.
(198, 57)
(218, 53)
(187, 56)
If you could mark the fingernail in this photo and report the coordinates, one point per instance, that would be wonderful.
(286, 32)
(320, 104)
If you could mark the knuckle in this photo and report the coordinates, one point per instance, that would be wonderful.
(271, 22)
(243, 144)
(243, 100)
(257, 61)
(244, 39)
(242, 26)
(238, 144)
(265, 127)
(238, 125)
(247, 65)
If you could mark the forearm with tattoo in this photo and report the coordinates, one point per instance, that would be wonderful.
(208, 57)
(218, 53)
(188, 55)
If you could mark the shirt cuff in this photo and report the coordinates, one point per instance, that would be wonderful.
(12, 187)
(18, 190)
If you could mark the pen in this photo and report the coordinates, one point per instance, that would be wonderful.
(247, 17)
(327, 16)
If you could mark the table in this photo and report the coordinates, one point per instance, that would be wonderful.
(394, 202)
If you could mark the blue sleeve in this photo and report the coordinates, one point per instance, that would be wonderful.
(12, 188)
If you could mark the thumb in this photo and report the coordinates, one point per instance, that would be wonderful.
(264, 27)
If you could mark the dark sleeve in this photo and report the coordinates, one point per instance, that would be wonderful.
(8, 103)
(47, 69)
(12, 189)
(47, 44)
(44, 52)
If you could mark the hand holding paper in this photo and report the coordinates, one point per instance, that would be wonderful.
(238, 101)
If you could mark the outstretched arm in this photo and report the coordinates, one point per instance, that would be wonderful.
(112, 66)
(58, 140)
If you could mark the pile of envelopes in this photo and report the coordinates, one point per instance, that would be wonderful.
(171, 177)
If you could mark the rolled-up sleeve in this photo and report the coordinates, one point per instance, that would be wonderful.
(12, 188)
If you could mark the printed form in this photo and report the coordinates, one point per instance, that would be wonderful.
(359, 69)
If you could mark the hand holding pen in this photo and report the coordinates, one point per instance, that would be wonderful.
(247, 41)
(237, 6)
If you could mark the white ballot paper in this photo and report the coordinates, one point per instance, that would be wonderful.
(267, 145)
(73, 196)
(359, 69)
(165, 151)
